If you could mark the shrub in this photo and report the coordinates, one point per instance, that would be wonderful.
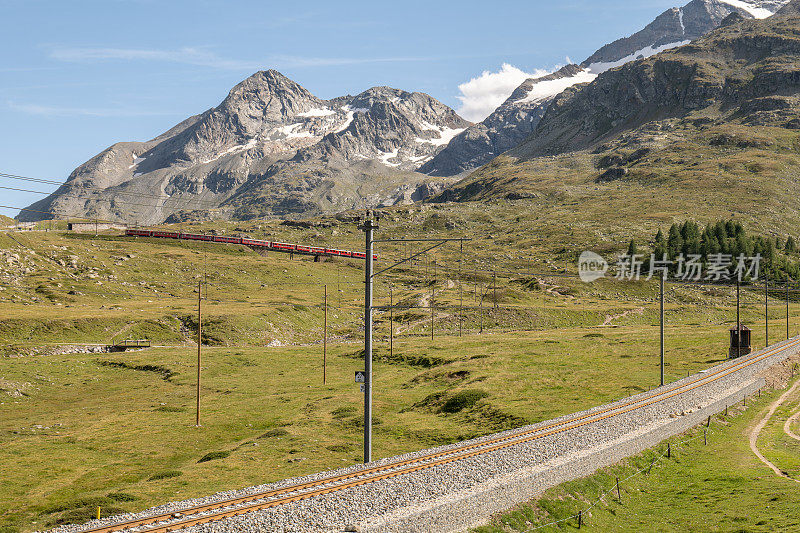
(212, 456)
(463, 400)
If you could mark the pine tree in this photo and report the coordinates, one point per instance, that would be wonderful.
(791, 245)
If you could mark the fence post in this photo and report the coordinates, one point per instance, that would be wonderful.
(619, 493)
(669, 451)
(580, 518)
(705, 437)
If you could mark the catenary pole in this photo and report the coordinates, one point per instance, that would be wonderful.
(369, 227)
(325, 340)
(199, 344)
(661, 299)
(738, 319)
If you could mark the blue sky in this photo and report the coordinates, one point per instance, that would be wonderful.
(78, 76)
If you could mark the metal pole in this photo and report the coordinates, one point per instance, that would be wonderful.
(461, 292)
(661, 291)
(481, 309)
(391, 323)
(325, 341)
(433, 295)
(199, 344)
(766, 310)
(738, 319)
(787, 308)
(494, 288)
(369, 227)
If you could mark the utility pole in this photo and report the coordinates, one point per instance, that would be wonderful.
(325, 340)
(199, 344)
(460, 291)
(391, 323)
(787, 307)
(494, 288)
(433, 296)
(738, 319)
(766, 309)
(661, 291)
(369, 227)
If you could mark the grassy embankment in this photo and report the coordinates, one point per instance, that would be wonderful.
(721, 486)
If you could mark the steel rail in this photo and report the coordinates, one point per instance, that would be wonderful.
(395, 469)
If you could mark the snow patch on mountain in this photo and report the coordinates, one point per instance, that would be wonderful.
(757, 12)
(599, 68)
(317, 112)
(386, 157)
(232, 150)
(550, 88)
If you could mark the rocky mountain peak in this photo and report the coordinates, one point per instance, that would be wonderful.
(275, 148)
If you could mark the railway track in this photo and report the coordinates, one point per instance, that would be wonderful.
(211, 512)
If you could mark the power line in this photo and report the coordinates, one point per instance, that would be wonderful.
(84, 186)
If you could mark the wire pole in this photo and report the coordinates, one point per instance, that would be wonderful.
(661, 294)
(461, 292)
(481, 308)
(391, 323)
(199, 344)
(766, 309)
(433, 295)
(494, 288)
(325, 340)
(738, 319)
(369, 227)
(787, 308)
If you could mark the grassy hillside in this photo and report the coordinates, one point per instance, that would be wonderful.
(117, 430)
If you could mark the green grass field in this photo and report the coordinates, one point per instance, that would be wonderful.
(76, 429)
(721, 486)
(117, 431)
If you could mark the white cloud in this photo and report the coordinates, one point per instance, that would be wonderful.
(482, 95)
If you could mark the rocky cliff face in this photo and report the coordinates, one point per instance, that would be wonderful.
(270, 147)
(519, 116)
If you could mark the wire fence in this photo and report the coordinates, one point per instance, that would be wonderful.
(659, 457)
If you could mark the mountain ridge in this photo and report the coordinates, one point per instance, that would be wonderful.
(265, 126)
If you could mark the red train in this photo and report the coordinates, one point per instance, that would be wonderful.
(255, 243)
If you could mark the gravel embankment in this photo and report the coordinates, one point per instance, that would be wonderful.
(455, 496)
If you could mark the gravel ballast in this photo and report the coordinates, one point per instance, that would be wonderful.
(464, 493)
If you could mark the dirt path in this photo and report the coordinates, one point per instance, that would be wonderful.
(787, 427)
(756, 431)
(553, 289)
(609, 321)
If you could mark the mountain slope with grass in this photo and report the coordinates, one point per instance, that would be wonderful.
(520, 114)
(705, 130)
